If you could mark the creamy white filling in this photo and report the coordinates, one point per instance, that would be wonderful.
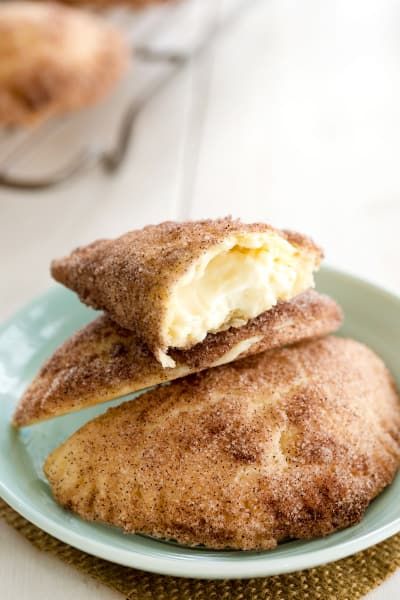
(236, 351)
(234, 282)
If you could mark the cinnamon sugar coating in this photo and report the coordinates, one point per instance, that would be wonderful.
(103, 361)
(131, 277)
(291, 443)
(54, 59)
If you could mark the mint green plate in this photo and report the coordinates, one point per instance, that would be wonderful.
(372, 316)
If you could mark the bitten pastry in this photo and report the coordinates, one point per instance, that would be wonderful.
(104, 361)
(174, 283)
(291, 443)
(54, 59)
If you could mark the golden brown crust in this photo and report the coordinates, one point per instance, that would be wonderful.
(54, 59)
(131, 277)
(291, 443)
(102, 361)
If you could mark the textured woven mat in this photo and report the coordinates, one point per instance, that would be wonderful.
(347, 579)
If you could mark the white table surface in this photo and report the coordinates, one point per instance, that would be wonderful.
(293, 117)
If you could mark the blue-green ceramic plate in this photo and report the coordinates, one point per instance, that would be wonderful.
(372, 316)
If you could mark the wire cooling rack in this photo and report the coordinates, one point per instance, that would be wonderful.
(164, 40)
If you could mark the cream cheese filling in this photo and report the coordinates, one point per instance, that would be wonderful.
(234, 282)
(236, 351)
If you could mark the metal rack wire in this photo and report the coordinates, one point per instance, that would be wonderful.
(164, 41)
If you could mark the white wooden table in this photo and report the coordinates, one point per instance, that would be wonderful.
(293, 117)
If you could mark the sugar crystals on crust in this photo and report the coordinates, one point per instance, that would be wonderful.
(291, 443)
(174, 283)
(103, 361)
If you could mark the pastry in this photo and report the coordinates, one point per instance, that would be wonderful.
(104, 361)
(291, 443)
(174, 283)
(54, 59)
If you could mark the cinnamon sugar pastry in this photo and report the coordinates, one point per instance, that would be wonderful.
(291, 443)
(54, 59)
(174, 283)
(104, 361)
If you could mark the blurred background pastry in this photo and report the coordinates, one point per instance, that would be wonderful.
(54, 59)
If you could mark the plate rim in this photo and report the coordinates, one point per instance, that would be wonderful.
(211, 567)
(215, 569)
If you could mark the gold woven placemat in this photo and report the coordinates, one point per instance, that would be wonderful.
(346, 579)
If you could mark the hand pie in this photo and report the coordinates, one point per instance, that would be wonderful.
(54, 59)
(104, 361)
(174, 283)
(291, 443)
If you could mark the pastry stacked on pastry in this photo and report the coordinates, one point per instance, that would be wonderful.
(272, 429)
